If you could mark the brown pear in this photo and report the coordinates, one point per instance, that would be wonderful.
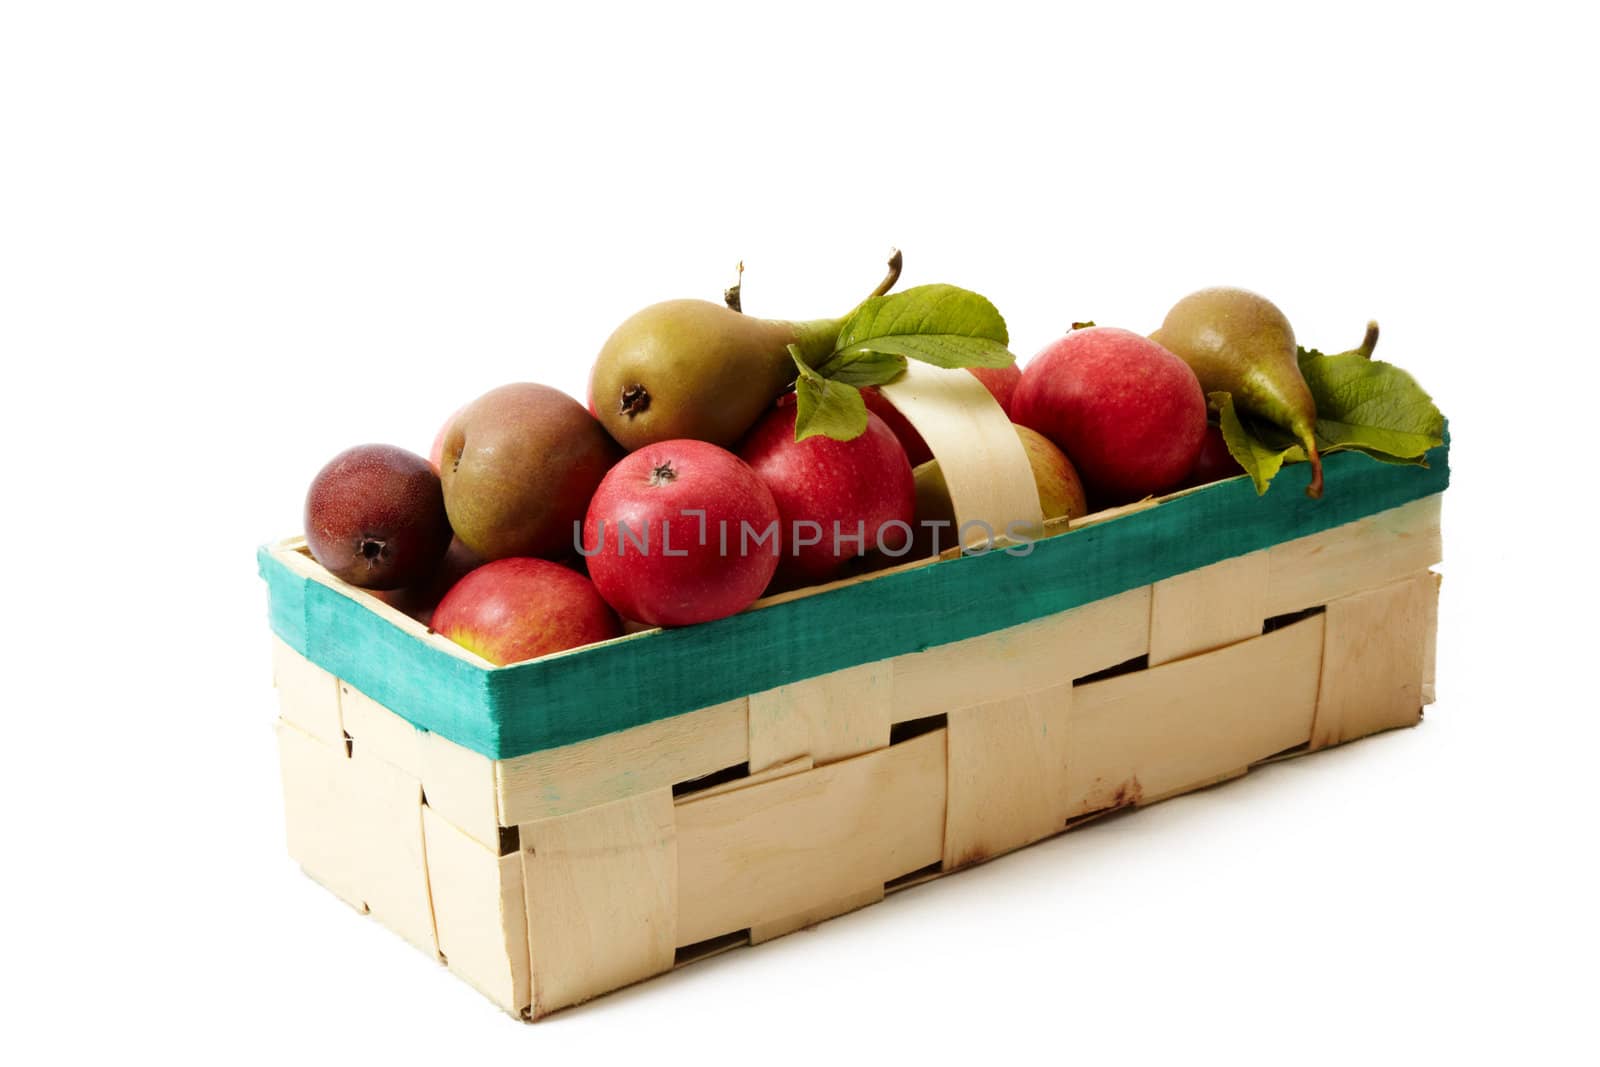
(1238, 342)
(519, 465)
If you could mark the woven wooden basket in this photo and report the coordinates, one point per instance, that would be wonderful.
(558, 829)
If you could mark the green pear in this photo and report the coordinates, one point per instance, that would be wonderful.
(1238, 342)
(694, 369)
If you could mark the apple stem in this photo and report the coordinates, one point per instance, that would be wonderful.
(730, 295)
(896, 262)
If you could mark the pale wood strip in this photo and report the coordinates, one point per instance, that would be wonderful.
(1365, 554)
(1107, 514)
(763, 854)
(387, 847)
(1373, 661)
(1152, 733)
(480, 912)
(1207, 608)
(1430, 642)
(602, 897)
(308, 696)
(1007, 775)
(559, 781)
(794, 766)
(460, 785)
(319, 818)
(760, 932)
(829, 717)
(979, 452)
(1023, 659)
(1204, 783)
(375, 728)
(355, 825)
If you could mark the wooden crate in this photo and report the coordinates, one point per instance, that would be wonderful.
(558, 829)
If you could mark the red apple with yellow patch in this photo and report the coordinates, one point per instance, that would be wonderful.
(519, 608)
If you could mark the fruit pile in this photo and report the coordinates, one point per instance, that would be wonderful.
(722, 457)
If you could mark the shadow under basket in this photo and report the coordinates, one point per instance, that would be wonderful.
(558, 829)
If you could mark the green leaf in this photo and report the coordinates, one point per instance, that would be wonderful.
(1382, 457)
(862, 368)
(942, 350)
(1260, 460)
(939, 324)
(1363, 405)
(1369, 405)
(828, 408)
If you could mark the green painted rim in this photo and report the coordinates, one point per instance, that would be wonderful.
(575, 696)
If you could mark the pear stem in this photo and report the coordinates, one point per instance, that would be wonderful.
(730, 295)
(896, 262)
(1313, 490)
(1370, 340)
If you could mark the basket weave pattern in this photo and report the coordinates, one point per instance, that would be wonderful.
(549, 878)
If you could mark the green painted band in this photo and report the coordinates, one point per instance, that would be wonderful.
(560, 700)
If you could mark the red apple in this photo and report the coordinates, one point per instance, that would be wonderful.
(1214, 462)
(1129, 413)
(1000, 381)
(681, 532)
(520, 608)
(836, 498)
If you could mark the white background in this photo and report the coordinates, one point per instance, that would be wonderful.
(235, 239)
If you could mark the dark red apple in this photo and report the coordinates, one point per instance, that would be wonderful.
(1214, 462)
(681, 532)
(837, 499)
(519, 608)
(1128, 413)
(375, 517)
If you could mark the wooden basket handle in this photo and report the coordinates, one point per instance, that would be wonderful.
(979, 452)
